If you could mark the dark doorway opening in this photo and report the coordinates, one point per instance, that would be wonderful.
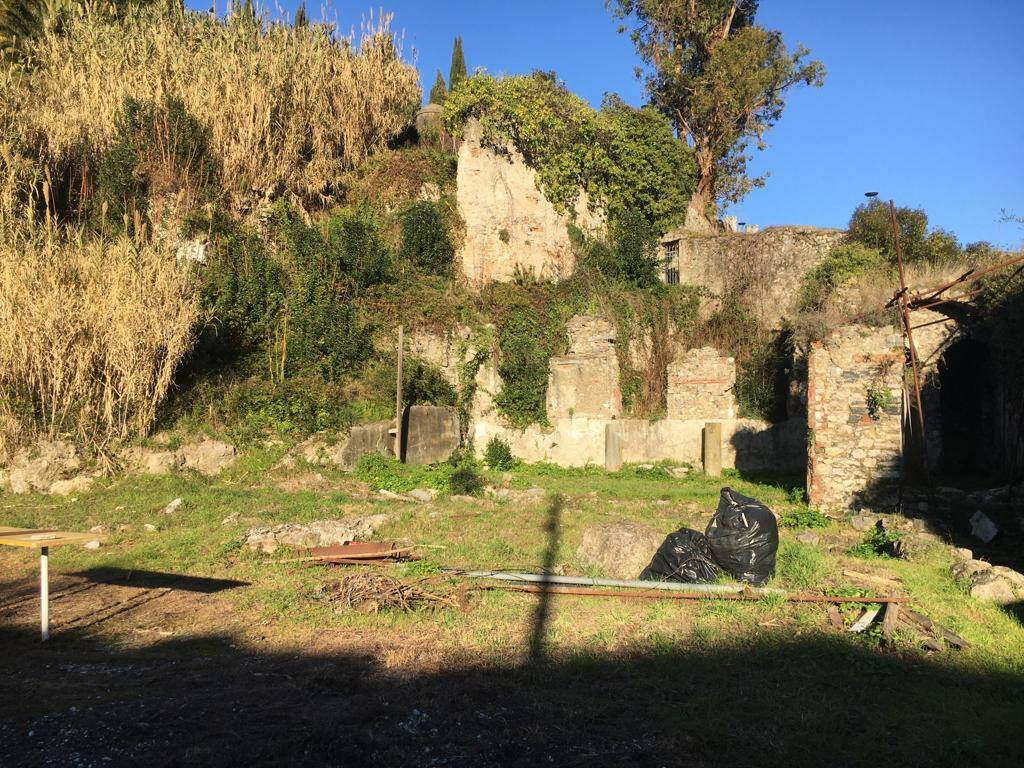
(966, 400)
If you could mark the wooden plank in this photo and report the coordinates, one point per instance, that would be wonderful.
(37, 538)
(835, 617)
(889, 621)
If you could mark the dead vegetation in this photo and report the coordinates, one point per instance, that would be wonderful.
(93, 332)
(288, 108)
(368, 591)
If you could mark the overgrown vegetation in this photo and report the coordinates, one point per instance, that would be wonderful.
(288, 109)
(626, 160)
(94, 329)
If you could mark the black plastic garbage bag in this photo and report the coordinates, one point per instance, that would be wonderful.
(743, 537)
(683, 556)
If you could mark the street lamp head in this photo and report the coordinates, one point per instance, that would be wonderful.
(870, 195)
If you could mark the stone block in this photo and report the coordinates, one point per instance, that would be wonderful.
(429, 434)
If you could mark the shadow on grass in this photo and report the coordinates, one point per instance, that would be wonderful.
(763, 700)
(125, 577)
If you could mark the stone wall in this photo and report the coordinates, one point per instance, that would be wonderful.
(585, 382)
(747, 444)
(701, 384)
(772, 261)
(510, 224)
(855, 450)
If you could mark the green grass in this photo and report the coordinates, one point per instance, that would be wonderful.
(703, 657)
(482, 534)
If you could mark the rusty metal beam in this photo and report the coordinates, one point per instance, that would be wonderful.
(660, 594)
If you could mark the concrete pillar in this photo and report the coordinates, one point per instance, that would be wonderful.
(612, 448)
(712, 449)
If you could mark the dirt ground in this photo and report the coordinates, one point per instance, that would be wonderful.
(157, 670)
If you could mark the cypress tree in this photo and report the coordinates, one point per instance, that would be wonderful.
(300, 16)
(438, 93)
(458, 70)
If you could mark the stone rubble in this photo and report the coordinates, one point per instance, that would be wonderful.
(320, 533)
(621, 550)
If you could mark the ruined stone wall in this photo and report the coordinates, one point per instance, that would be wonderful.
(771, 262)
(510, 224)
(701, 384)
(585, 382)
(855, 450)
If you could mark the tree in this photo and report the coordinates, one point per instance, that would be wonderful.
(457, 73)
(438, 93)
(719, 77)
(871, 224)
(301, 20)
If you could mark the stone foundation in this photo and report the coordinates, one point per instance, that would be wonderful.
(855, 440)
(747, 444)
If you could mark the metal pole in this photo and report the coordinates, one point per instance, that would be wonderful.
(44, 592)
(398, 397)
(905, 316)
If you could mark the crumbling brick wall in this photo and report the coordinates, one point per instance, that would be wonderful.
(585, 382)
(701, 384)
(854, 410)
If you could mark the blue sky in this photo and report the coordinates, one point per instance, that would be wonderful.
(924, 101)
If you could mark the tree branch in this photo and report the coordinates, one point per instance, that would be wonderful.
(728, 21)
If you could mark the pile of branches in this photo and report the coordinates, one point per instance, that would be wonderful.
(371, 592)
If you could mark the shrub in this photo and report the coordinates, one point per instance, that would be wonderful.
(243, 295)
(93, 331)
(357, 251)
(425, 240)
(159, 151)
(843, 264)
(635, 242)
(523, 367)
(465, 477)
(498, 455)
(871, 226)
(288, 109)
(804, 517)
(251, 409)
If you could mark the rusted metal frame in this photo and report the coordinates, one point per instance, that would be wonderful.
(936, 291)
(658, 594)
(934, 322)
(905, 313)
(951, 300)
(972, 278)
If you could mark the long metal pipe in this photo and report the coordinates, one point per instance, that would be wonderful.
(586, 581)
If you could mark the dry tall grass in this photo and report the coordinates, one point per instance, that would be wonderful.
(93, 331)
(288, 109)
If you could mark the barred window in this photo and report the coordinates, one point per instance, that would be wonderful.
(671, 261)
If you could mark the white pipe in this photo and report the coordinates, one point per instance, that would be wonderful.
(44, 592)
(585, 581)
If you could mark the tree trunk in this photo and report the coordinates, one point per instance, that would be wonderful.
(697, 219)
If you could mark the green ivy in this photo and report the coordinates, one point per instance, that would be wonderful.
(425, 240)
(625, 159)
